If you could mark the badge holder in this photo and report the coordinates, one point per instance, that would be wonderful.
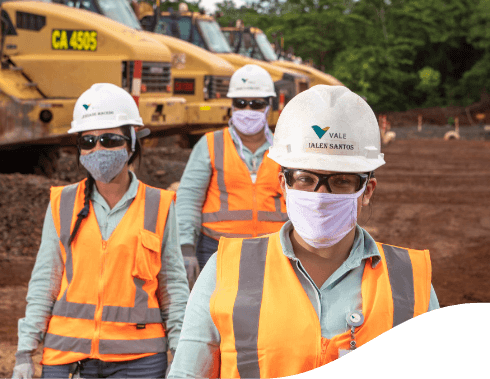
(354, 319)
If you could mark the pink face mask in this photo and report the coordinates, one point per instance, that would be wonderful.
(322, 219)
(249, 122)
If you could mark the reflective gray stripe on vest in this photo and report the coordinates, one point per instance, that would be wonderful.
(152, 204)
(62, 307)
(273, 216)
(400, 272)
(246, 310)
(224, 214)
(216, 235)
(67, 205)
(140, 313)
(76, 345)
(150, 345)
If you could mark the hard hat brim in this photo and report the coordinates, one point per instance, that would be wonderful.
(335, 163)
(102, 124)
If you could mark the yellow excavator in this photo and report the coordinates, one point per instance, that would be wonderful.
(200, 77)
(202, 30)
(50, 54)
(252, 42)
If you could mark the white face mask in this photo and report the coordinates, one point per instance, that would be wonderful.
(249, 122)
(322, 219)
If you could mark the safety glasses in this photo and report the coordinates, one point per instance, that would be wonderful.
(107, 140)
(254, 104)
(338, 183)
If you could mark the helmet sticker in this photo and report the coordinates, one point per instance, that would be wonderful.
(333, 143)
(86, 106)
(105, 113)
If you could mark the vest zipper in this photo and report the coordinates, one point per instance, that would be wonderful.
(99, 307)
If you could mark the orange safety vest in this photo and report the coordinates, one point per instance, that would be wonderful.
(107, 307)
(234, 205)
(267, 324)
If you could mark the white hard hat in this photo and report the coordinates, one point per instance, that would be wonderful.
(104, 106)
(251, 81)
(327, 128)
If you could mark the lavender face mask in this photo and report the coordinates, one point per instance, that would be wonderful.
(105, 165)
(249, 122)
(322, 219)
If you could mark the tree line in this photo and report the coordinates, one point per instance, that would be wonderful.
(399, 54)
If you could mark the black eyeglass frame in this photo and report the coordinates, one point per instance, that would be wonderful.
(323, 178)
(111, 136)
(251, 103)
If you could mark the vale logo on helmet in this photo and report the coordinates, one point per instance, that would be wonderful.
(86, 106)
(320, 132)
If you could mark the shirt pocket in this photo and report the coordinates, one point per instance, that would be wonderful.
(147, 261)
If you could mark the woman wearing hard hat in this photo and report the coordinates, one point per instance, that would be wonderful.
(229, 187)
(109, 287)
(294, 300)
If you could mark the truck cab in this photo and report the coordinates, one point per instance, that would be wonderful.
(252, 42)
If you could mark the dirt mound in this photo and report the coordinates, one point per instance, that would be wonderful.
(23, 203)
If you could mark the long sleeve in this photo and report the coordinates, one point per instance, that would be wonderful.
(192, 193)
(44, 288)
(198, 352)
(173, 289)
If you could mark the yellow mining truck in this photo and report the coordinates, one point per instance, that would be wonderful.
(50, 54)
(200, 77)
(202, 30)
(252, 42)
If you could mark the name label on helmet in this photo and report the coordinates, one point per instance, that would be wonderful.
(69, 39)
(333, 146)
(105, 113)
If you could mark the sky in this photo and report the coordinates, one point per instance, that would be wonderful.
(210, 5)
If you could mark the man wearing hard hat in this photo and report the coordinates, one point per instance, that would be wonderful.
(229, 187)
(291, 301)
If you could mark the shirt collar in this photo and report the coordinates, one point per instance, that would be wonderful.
(364, 247)
(240, 146)
(129, 195)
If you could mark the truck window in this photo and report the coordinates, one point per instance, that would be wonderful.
(214, 38)
(120, 11)
(265, 47)
(80, 4)
(167, 24)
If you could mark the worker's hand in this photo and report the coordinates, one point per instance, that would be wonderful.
(192, 269)
(191, 264)
(24, 370)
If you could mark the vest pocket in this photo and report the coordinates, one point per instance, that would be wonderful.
(147, 262)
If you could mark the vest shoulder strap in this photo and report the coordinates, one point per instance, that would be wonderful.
(409, 273)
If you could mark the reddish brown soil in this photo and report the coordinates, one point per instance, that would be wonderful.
(431, 194)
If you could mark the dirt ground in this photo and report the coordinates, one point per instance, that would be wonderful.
(431, 194)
